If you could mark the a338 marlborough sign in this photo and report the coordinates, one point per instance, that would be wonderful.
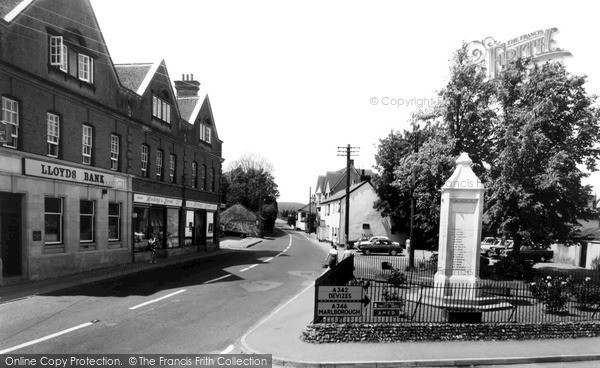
(48, 170)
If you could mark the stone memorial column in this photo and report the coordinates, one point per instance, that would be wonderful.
(461, 212)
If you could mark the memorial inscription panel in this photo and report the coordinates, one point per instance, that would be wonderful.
(462, 213)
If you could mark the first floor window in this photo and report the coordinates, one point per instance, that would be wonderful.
(172, 167)
(159, 165)
(114, 152)
(144, 161)
(53, 220)
(203, 177)
(53, 134)
(212, 179)
(87, 145)
(10, 116)
(194, 174)
(114, 221)
(86, 221)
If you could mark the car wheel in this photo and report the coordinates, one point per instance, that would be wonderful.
(367, 252)
(393, 252)
(489, 254)
(542, 259)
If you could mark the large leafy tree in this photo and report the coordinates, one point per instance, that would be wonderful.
(547, 129)
(250, 182)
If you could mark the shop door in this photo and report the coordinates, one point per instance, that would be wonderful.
(10, 234)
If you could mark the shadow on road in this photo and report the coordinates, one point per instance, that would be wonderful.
(176, 275)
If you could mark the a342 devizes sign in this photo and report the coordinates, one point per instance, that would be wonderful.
(340, 301)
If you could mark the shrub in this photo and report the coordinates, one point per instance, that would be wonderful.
(391, 295)
(586, 294)
(554, 293)
(514, 267)
(397, 277)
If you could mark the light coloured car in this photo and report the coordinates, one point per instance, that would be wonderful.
(486, 245)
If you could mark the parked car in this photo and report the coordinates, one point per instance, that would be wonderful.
(486, 245)
(497, 249)
(365, 240)
(534, 253)
(377, 245)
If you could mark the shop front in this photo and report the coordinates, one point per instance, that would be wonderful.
(58, 219)
(181, 227)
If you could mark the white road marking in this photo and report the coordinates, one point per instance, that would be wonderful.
(268, 260)
(228, 350)
(217, 279)
(158, 299)
(48, 337)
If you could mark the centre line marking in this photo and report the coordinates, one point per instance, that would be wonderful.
(268, 260)
(156, 300)
(48, 337)
(217, 279)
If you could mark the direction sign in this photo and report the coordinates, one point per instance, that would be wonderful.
(386, 312)
(339, 309)
(340, 293)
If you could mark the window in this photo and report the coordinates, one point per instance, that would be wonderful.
(212, 179)
(114, 152)
(161, 109)
(159, 165)
(144, 161)
(114, 221)
(87, 145)
(53, 219)
(10, 116)
(58, 53)
(172, 167)
(205, 133)
(86, 221)
(194, 174)
(203, 177)
(53, 134)
(85, 71)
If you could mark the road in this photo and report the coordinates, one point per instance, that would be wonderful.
(197, 307)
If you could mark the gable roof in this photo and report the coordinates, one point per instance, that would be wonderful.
(313, 208)
(342, 193)
(132, 75)
(11, 8)
(320, 184)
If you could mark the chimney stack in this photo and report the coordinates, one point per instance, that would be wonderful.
(187, 87)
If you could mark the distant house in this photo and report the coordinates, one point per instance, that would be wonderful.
(363, 218)
(238, 220)
(306, 217)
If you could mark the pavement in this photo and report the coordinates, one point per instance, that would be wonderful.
(279, 333)
(25, 289)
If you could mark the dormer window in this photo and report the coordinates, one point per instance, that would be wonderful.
(161, 109)
(205, 133)
(69, 55)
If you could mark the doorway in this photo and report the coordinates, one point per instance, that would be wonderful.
(10, 234)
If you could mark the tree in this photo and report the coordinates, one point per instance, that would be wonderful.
(547, 129)
(252, 185)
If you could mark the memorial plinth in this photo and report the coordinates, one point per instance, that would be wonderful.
(461, 213)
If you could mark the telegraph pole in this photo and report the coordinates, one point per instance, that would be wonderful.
(349, 151)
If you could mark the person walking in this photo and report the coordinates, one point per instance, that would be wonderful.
(152, 246)
(331, 260)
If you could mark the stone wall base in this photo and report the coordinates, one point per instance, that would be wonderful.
(398, 332)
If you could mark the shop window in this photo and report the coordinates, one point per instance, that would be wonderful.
(172, 239)
(10, 116)
(53, 219)
(114, 221)
(140, 228)
(86, 221)
(189, 228)
(156, 221)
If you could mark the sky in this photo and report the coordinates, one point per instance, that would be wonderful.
(292, 81)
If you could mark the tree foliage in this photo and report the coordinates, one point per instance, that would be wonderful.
(529, 132)
(252, 185)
